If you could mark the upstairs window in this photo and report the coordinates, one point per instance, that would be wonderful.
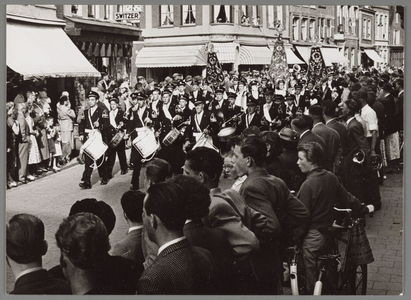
(167, 15)
(222, 14)
(275, 14)
(91, 11)
(189, 15)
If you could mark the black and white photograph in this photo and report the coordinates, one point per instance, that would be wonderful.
(287, 121)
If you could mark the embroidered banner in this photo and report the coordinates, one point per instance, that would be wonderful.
(279, 68)
(316, 65)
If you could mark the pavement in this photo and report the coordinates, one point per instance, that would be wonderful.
(52, 194)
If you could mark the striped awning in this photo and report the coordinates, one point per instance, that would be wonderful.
(333, 55)
(171, 56)
(261, 55)
(373, 55)
(330, 55)
(37, 51)
(254, 55)
(225, 52)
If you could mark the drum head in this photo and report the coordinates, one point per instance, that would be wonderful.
(226, 132)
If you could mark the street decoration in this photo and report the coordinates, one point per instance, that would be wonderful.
(316, 64)
(278, 67)
(214, 72)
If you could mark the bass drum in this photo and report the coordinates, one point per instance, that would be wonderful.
(226, 134)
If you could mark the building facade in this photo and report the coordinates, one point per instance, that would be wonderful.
(396, 36)
(103, 34)
(174, 36)
(39, 54)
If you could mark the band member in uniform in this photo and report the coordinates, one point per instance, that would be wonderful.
(268, 110)
(251, 118)
(201, 122)
(232, 108)
(219, 106)
(256, 96)
(299, 101)
(195, 94)
(290, 109)
(116, 124)
(180, 91)
(138, 116)
(173, 152)
(95, 117)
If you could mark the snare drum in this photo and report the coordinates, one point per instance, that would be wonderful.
(94, 146)
(206, 141)
(145, 143)
(117, 138)
(171, 137)
(226, 133)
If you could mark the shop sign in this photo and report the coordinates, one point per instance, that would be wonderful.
(127, 16)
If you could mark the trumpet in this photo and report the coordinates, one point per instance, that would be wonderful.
(232, 118)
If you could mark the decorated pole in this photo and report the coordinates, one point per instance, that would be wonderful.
(278, 67)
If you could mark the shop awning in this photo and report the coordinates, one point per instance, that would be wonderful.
(373, 55)
(330, 55)
(292, 59)
(333, 55)
(171, 56)
(255, 55)
(44, 51)
(304, 52)
(225, 52)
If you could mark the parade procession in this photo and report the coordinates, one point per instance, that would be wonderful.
(204, 149)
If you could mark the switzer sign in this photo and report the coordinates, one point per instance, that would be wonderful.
(128, 16)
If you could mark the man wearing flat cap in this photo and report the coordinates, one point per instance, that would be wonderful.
(94, 118)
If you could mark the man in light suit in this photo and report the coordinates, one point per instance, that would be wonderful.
(23, 144)
(130, 246)
(180, 268)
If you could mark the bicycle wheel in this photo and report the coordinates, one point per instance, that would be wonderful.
(358, 280)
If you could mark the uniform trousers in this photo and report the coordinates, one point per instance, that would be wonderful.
(120, 150)
(135, 179)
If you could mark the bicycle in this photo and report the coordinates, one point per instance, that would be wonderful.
(339, 275)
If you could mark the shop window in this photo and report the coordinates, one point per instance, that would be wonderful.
(222, 14)
(167, 15)
(189, 14)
